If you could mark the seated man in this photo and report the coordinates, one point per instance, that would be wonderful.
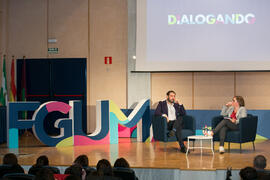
(259, 163)
(173, 111)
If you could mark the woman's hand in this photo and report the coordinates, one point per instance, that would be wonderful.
(229, 104)
(233, 120)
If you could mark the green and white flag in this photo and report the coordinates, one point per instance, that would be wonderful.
(3, 94)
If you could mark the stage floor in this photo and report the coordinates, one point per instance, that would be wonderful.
(141, 155)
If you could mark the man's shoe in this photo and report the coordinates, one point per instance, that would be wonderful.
(171, 133)
(183, 149)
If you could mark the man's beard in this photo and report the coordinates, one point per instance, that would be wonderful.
(171, 101)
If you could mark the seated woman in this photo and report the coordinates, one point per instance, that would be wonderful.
(76, 170)
(83, 161)
(122, 163)
(40, 162)
(232, 112)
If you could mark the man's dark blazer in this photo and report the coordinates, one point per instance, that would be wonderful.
(162, 108)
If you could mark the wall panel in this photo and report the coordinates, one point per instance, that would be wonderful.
(181, 83)
(255, 88)
(108, 37)
(212, 89)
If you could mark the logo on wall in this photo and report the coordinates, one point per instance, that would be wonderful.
(108, 117)
(180, 19)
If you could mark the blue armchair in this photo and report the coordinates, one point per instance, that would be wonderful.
(246, 133)
(160, 129)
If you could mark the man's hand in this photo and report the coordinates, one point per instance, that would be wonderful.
(164, 115)
(177, 102)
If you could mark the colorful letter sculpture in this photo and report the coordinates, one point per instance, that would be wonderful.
(108, 116)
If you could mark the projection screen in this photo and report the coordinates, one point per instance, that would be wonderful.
(203, 35)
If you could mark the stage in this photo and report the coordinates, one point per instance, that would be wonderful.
(158, 155)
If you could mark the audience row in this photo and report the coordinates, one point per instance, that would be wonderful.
(80, 169)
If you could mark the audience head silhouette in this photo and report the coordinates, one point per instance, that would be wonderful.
(82, 160)
(10, 159)
(248, 173)
(42, 161)
(121, 162)
(259, 162)
(104, 168)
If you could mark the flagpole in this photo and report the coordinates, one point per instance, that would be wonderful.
(24, 94)
(13, 90)
(3, 93)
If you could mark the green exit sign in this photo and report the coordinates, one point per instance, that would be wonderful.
(53, 50)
